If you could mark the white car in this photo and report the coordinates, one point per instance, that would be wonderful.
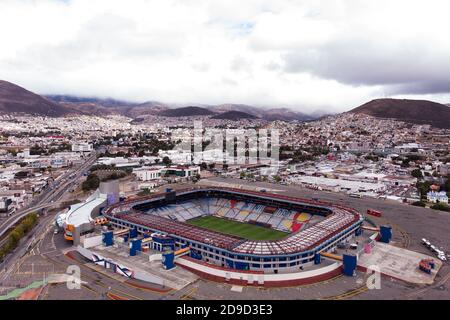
(442, 258)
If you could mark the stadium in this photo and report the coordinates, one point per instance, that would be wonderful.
(225, 230)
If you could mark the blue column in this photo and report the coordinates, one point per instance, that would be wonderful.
(168, 260)
(350, 264)
(135, 245)
(133, 233)
(317, 258)
(108, 238)
(386, 234)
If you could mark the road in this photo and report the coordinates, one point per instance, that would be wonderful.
(49, 199)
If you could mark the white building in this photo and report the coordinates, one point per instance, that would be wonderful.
(407, 147)
(4, 204)
(82, 147)
(337, 185)
(435, 197)
(157, 172)
(148, 173)
(113, 161)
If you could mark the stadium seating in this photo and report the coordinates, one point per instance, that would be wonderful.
(281, 219)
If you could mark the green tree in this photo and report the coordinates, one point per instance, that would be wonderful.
(91, 183)
(446, 185)
(166, 160)
(417, 173)
(423, 188)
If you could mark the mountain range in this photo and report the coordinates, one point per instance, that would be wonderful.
(234, 115)
(15, 99)
(186, 112)
(413, 111)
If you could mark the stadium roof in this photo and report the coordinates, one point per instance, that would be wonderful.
(173, 227)
(80, 213)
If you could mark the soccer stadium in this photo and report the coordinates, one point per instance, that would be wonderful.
(237, 230)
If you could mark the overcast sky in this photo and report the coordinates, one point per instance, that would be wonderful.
(309, 55)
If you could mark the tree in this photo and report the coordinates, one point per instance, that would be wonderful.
(166, 160)
(423, 188)
(21, 174)
(417, 173)
(203, 166)
(446, 186)
(92, 182)
(405, 163)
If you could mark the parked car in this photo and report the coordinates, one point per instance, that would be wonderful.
(442, 257)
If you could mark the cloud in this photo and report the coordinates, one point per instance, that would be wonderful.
(325, 54)
(400, 45)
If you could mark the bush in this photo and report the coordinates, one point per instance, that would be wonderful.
(419, 204)
(115, 176)
(144, 192)
(441, 207)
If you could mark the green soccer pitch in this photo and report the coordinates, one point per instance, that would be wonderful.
(238, 229)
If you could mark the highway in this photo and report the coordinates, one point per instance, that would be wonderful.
(51, 197)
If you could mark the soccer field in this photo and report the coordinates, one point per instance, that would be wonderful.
(235, 228)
